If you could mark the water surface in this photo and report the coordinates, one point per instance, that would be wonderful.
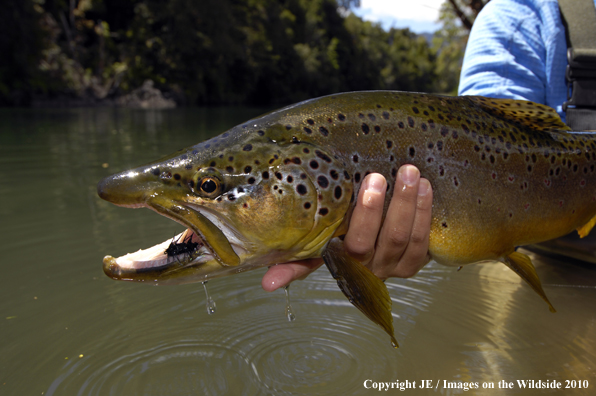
(67, 329)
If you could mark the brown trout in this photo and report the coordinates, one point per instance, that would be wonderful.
(281, 188)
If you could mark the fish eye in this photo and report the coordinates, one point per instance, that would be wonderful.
(209, 185)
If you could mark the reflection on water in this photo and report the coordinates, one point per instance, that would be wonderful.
(69, 330)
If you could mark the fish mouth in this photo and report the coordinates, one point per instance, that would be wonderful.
(199, 253)
(183, 250)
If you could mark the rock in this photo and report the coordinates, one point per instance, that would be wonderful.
(146, 97)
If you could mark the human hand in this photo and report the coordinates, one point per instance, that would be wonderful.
(395, 247)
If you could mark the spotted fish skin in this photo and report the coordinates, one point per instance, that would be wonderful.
(504, 173)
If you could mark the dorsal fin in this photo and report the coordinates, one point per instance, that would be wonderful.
(528, 114)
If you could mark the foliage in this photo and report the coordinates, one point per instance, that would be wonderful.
(449, 45)
(209, 51)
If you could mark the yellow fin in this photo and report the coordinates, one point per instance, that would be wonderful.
(522, 265)
(523, 112)
(364, 290)
(586, 228)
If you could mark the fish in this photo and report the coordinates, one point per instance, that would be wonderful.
(280, 188)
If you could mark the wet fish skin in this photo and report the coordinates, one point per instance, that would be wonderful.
(504, 173)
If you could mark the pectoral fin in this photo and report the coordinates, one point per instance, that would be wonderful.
(522, 265)
(367, 292)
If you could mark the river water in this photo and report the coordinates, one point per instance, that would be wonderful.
(67, 329)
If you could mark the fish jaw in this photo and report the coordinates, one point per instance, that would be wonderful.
(145, 187)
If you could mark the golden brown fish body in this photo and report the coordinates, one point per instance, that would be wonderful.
(279, 188)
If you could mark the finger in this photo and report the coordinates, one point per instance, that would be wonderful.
(281, 275)
(366, 219)
(416, 255)
(395, 233)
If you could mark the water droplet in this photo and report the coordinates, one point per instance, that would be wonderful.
(289, 314)
(209, 303)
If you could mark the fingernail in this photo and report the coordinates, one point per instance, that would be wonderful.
(423, 188)
(409, 174)
(374, 183)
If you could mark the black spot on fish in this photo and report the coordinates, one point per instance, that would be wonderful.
(176, 176)
(393, 172)
(411, 122)
(188, 166)
(278, 175)
(444, 224)
(534, 159)
(444, 131)
(301, 189)
(455, 181)
(575, 168)
(288, 127)
(423, 126)
(337, 192)
(365, 129)
(355, 158)
(454, 134)
(230, 169)
(290, 179)
(425, 112)
(248, 147)
(323, 211)
(324, 131)
(155, 171)
(415, 110)
(389, 144)
(492, 159)
(372, 117)
(377, 129)
(441, 170)
(357, 177)
(230, 158)
(323, 181)
(346, 175)
(323, 156)
(360, 115)
(265, 175)
(303, 176)
(431, 145)
(334, 175)
(307, 130)
(385, 115)
(529, 168)
(307, 205)
(251, 180)
(400, 125)
(412, 152)
(247, 169)
(314, 164)
(439, 145)
(296, 160)
(341, 117)
(310, 121)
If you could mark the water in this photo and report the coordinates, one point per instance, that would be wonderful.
(67, 329)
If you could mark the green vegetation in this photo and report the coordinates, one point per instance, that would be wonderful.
(212, 51)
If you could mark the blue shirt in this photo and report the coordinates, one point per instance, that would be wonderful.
(517, 49)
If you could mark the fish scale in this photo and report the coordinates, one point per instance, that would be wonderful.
(281, 187)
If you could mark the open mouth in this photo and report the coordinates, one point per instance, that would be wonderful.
(182, 249)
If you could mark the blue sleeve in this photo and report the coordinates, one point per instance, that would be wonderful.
(517, 49)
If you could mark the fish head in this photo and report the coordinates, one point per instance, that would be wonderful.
(247, 200)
